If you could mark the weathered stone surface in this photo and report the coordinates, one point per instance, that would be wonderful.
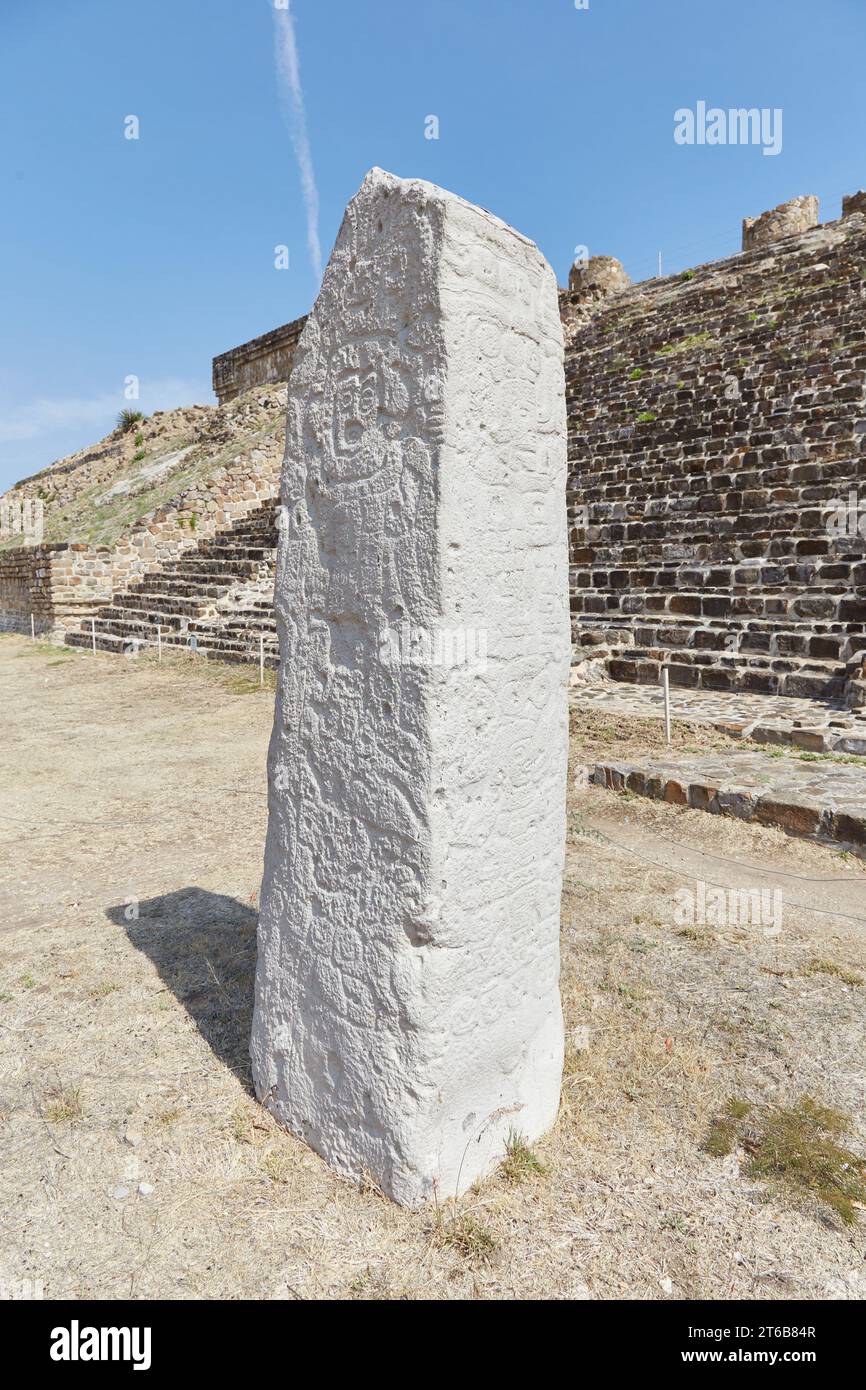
(854, 202)
(797, 817)
(407, 1013)
(798, 215)
(260, 361)
(715, 472)
(599, 276)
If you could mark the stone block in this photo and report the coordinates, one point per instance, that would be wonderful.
(799, 818)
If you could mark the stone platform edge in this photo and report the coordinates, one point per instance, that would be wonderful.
(798, 816)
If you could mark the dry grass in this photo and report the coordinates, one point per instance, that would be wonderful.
(829, 967)
(132, 842)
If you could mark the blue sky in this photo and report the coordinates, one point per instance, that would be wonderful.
(147, 257)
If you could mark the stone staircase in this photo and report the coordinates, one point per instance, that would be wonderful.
(217, 597)
(716, 422)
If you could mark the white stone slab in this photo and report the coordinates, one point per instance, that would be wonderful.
(407, 1012)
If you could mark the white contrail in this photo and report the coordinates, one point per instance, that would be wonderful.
(292, 100)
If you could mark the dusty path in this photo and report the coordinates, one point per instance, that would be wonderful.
(135, 1160)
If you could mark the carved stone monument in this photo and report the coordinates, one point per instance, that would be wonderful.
(407, 1013)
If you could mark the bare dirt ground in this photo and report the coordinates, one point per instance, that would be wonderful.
(136, 1162)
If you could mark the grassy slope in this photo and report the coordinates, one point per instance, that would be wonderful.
(215, 437)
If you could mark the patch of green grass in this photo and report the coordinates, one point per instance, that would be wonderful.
(249, 685)
(688, 344)
(279, 1165)
(799, 1149)
(100, 520)
(688, 275)
(520, 1162)
(27, 982)
(700, 938)
(136, 458)
(242, 1126)
(724, 1128)
(673, 1221)
(370, 1287)
(40, 649)
(64, 1105)
(646, 417)
(636, 374)
(796, 1149)
(467, 1236)
(808, 757)
(817, 966)
(104, 988)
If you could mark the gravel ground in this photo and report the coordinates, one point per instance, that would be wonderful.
(136, 1160)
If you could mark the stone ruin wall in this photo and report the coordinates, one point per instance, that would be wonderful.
(63, 583)
(262, 360)
(58, 585)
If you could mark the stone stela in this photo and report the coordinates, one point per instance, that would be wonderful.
(407, 1012)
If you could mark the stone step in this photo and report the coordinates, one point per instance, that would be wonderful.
(835, 577)
(801, 469)
(767, 639)
(200, 570)
(845, 608)
(138, 600)
(735, 528)
(223, 553)
(120, 643)
(791, 549)
(127, 620)
(705, 494)
(769, 676)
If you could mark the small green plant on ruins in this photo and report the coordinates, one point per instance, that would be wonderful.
(128, 419)
(797, 1150)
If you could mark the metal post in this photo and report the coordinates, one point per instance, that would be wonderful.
(93, 634)
(32, 628)
(667, 694)
(261, 658)
(158, 642)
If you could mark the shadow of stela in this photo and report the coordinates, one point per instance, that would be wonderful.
(204, 946)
